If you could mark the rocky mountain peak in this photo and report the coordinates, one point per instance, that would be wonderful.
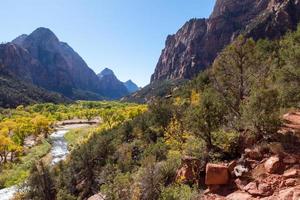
(131, 86)
(111, 85)
(105, 72)
(43, 34)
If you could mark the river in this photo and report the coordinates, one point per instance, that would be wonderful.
(59, 152)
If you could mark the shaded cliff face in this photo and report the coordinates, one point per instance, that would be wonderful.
(60, 68)
(197, 43)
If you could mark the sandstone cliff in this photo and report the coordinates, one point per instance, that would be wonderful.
(197, 43)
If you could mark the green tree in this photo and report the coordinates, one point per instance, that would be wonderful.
(288, 76)
(234, 72)
(262, 112)
(206, 117)
(40, 183)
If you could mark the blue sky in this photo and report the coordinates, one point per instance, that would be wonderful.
(124, 35)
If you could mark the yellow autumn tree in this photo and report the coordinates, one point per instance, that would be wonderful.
(41, 125)
(195, 97)
(175, 136)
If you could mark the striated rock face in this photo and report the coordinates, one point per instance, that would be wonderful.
(54, 65)
(197, 43)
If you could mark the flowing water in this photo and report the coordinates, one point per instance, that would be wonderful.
(59, 149)
(8, 193)
(59, 152)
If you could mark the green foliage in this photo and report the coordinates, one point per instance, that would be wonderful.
(42, 179)
(207, 117)
(17, 173)
(262, 112)
(119, 188)
(226, 140)
(288, 74)
(178, 192)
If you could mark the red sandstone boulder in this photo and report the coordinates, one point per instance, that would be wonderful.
(216, 174)
(97, 197)
(257, 189)
(292, 173)
(239, 196)
(273, 165)
(288, 159)
(290, 194)
(290, 182)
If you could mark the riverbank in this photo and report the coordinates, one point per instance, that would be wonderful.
(16, 173)
(77, 135)
(51, 151)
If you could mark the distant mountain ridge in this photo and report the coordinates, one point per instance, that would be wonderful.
(131, 86)
(42, 60)
(111, 85)
(55, 66)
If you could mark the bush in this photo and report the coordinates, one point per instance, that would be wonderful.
(262, 111)
(227, 141)
(178, 192)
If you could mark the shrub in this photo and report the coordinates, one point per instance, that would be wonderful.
(178, 192)
(262, 111)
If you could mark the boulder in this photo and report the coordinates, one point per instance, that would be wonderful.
(240, 170)
(97, 197)
(292, 173)
(240, 184)
(257, 189)
(288, 159)
(239, 196)
(273, 165)
(216, 174)
(290, 193)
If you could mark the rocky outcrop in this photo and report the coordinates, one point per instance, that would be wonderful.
(265, 179)
(273, 164)
(263, 172)
(195, 46)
